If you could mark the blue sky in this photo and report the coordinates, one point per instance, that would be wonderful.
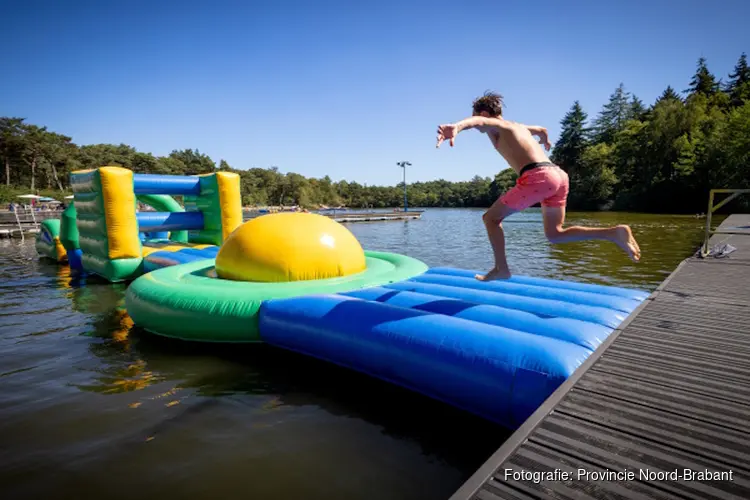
(345, 89)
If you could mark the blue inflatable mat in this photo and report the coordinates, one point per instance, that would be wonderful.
(582, 333)
(638, 295)
(496, 349)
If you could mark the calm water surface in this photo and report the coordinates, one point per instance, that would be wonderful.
(91, 407)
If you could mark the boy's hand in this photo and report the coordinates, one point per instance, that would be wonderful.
(544, 141)
(444, 132)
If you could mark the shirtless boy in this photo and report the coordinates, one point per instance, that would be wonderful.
(539, 181)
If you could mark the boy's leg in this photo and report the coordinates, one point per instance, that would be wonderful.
(554, 217)
(493, 222)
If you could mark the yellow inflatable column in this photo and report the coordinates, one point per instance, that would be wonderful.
(221, 205)
(106, 220)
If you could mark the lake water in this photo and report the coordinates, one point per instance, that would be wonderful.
(91, 407)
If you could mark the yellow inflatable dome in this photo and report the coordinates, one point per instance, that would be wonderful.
(289, 247)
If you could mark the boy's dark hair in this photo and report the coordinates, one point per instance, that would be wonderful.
(490, 102)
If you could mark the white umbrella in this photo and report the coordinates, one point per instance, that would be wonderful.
(31, 196)
(69, 197)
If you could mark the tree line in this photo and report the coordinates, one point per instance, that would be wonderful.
(660, 158)
(665, 157)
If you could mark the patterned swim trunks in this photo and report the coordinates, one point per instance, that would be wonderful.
(544, 183)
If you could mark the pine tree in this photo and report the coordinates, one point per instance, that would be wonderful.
(703, 81)
(574, 138)
(739, 81)
(11, 128)
(669, 93)
(636, 111)
(613, 116)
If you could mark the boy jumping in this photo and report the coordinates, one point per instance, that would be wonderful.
(539, 181)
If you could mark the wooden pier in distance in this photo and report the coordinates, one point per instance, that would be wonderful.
(660, 410)
(374, 216)
(346, 216)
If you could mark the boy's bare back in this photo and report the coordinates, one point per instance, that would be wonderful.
(516, 143)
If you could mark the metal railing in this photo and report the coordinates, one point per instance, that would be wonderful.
(733, 193)
(22, 216)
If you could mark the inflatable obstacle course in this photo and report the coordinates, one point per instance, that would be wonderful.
(303, 283)
(112, 233)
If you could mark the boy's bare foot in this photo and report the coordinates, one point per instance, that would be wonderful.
(494, 274)
(625, 240)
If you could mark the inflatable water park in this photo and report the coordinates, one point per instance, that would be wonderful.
(302, 282)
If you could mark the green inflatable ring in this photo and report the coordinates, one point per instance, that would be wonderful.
(189, 302)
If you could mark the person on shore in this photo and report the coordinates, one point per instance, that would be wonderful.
(539, 181)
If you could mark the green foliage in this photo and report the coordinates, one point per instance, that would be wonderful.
(668, 94)
(574, 138)
(194, 161)
(703, 82)
(595, 178)
(667, 157)
(612, 117)
(738, 86)
(636, 111)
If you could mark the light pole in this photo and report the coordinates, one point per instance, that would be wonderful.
(404, 164)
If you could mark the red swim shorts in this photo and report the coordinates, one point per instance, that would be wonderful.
(547, 185)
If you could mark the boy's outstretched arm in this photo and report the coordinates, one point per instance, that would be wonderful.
(450, 131)
(541, 132)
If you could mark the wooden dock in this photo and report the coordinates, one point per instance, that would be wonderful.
(661, 410)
